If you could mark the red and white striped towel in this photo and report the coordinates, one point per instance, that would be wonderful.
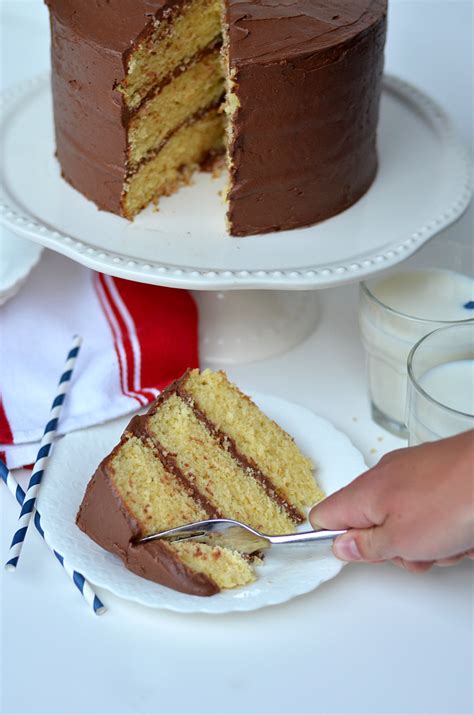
(137, 338)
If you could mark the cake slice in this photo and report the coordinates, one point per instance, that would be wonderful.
(203, 450)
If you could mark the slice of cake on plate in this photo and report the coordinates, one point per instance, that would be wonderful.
(203, 450)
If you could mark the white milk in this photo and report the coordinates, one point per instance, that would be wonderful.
(420, 301)
(452, 385)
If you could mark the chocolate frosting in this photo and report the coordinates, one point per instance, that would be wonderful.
(277, 31)
(308, 77)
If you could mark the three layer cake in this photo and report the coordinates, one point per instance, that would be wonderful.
(203, 450)
(146, 91)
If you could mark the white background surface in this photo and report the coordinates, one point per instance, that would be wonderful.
(373, 640)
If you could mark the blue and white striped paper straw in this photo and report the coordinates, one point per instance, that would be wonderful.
(42, 457)
(78, 579)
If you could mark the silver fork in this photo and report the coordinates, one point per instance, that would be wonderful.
(236, 534)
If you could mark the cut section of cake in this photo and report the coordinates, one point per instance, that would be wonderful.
(203, 450)
(146, 91)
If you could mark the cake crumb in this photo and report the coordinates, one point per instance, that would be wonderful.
(373, 451)
(379, 439)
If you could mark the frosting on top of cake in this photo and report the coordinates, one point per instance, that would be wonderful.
(272, 30)
(269, 30)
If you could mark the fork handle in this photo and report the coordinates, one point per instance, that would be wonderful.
(305, 537)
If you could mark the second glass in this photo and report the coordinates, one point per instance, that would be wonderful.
(440, 401)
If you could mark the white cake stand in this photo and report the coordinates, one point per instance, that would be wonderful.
(422, 186)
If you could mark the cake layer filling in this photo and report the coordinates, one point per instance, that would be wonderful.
(171, 167)
(200, 86)
(262, 443)
(216, 474)
(173, 40)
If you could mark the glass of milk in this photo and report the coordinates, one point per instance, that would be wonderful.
(440, 400)
(434, 289)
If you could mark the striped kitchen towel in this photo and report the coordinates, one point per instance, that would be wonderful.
(137, 338)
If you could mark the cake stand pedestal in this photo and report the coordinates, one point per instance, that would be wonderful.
(244, 326)
(423, 185)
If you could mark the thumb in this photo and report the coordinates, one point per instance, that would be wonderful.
(373, 544)
(354, 506)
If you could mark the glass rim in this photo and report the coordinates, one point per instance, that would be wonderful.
(443, 323)
(416, 384)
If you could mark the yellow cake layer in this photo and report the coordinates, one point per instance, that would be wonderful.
(200, 86)
(171, 167)
(236, 494)
(173, 42)
(156, 498)
(158, 501)
(225, 567)
(256, 436)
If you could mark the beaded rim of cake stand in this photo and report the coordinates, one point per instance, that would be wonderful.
(25, 224)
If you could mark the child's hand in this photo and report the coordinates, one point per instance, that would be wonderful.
(416, 507)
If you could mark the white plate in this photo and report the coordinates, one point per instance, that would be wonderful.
(17, 258)
(422, 186)
(283, 574)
